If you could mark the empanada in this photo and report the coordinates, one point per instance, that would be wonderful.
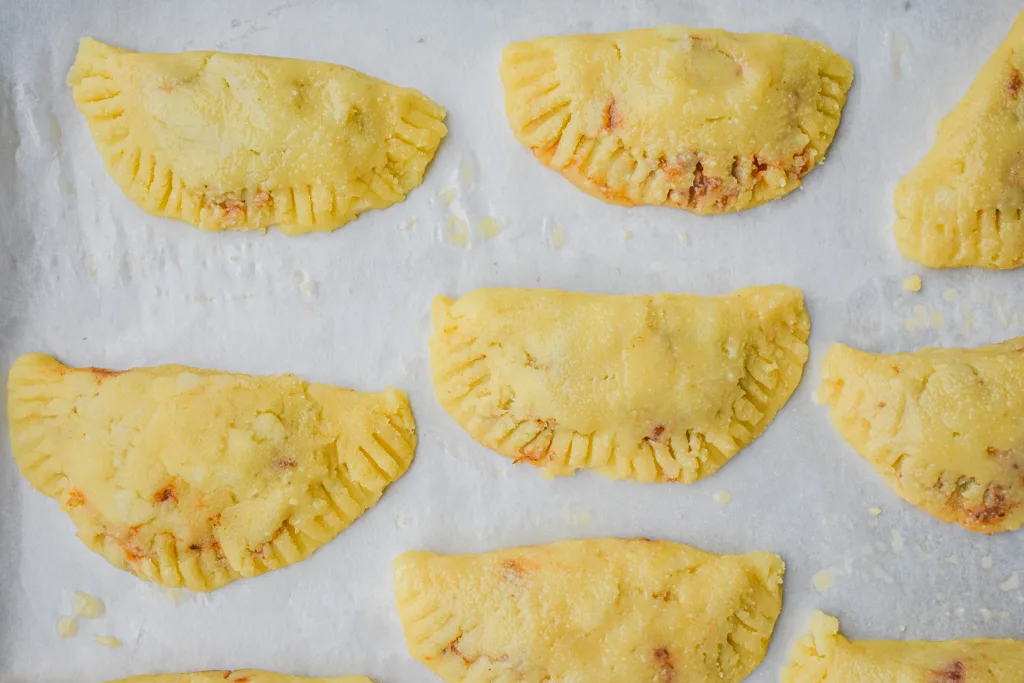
(945, 427)
(699, 119)
(194, 478)
(238, 676)
(239, 142)
(593, 610)
(962, 205)
(824, 655)
(662, 387)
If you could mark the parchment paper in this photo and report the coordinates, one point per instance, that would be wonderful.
(89, 277)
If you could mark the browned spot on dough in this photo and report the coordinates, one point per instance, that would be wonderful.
(994, 507)
(612, 117)
(286, 463)
(702, 186)
(104, 373)
(242, 679)
(657, 432)
(75, 498)
(165, 494)
(956, 672)
(666, 669)
(881, 404)
(1014, 83)
(896, 368)
(227, 210)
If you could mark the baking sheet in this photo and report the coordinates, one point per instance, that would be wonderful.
(87, 276)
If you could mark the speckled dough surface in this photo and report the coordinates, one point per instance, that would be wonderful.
(239, 142)
(699, 119)
(824, 655)
(195, 478)
(663, 387)
(945, 427)
(962, 205)
(614, 610)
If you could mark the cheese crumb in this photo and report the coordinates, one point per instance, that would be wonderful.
(67, 627)
(87, 606)
(722, 497)
(824, 580)
(1011, 584)
(107, 641)
(986, 562)
(912, 283)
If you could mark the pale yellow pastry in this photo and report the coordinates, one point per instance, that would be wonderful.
(239, 676)
(824, 656)
(610, 610)
(239, 142)
(699, 119)
(962, 205)
(945, 427)
(194, 478)
(662, 387)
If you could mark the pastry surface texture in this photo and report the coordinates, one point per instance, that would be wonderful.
(238, 676)
(592, 610)
(945, 427)
(195, 478)
(825, 656)
(961, 206)
(240, 142)
(657, 388)
(700, 119)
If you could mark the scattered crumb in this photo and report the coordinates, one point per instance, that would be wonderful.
(949, 294)
(968, 317)
(467, 172)
(554, 233)
(1011, 584)
(107, 641)
(912, 283)
(579, 517)
(627, 235)
(881, 574)
(824, 580)
(684, 238)
(456, 231)
(87, 606)
(875, 511)
(306, 285)
(67, 627)
(920, 315)
(937, 320)
(401, 522)
(490, 227)
(897, 541)
(986, 614)
(986, 562)
(722, 496)
(815, 399)
(960, 611)
(447, 195)
(407, 224)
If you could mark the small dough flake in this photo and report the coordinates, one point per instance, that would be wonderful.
(722, 497)
(195, 478)
(87, 606)
(825, 655)
(107, 641)
(962, 205)
(943, 426)
(700, 119)
(67, 627)
(240, 142)
(656, 388)
(824, 580)
(912, 283)
(611, 610)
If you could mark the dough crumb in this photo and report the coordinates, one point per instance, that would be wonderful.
(986, 614)
(937, 320)
(986, 562)
(557, 237)
(447, 195)
(107, 641)
(881, 574)
(456, 231)
(67, 627)
(579, 517)
(874, 511)
(824, 580)
(87, 606)
(401, 522)
(960, 611)
(949, 294)
(407, 224)
(467, 172)
(491, 227)
(684, 238)
(897, 541)
(912, 283)
(627, 235)
(1011, 584)
(722, 497)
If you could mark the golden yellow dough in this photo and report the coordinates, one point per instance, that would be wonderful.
(962, 205)
(945, 427)
(238, 676)
(239, 142)
(824, 656)
(699, 119)
(658, 388)
(605, 610)
(194, 478)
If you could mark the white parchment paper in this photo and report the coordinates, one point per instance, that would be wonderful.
(87, 276)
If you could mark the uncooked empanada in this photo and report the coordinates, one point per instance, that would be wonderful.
(658, 388)
(962, 205)
(595, 610)
(238, 676)
(194, 478)
(699, 119)
(825, 656)
(239, 142)
(945, 427)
